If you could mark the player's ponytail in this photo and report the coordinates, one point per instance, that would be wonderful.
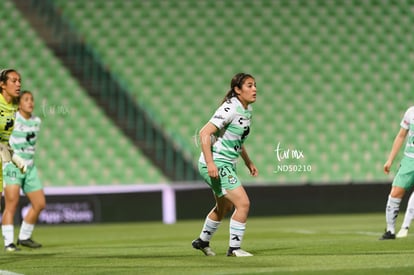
(236, 81)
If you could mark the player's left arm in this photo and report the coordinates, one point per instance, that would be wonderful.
(248, 162)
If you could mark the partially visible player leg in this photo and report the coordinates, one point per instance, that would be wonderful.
(8, 236)
(12, 195)
(392, 210)
(209, 228)
(203, 241)
(38, 203)
(408, 217)
(239, 198)
(391, 214)
(214, 217)
(211, 224)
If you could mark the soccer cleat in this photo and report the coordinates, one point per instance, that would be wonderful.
(238, 252)
(29, 243)
(11, 248)
(402, 233)
(387, 236)
(203, 246)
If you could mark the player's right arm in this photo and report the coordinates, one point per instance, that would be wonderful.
(223, 116)
(396, 146)
(205, 140)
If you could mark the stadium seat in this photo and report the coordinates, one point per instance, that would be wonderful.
(76, 137)
(326, 72)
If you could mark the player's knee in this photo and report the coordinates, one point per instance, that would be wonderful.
(242, 211)
(243, 206)
(39, 206)
(42, 206)
(397, 192)
(11, 205)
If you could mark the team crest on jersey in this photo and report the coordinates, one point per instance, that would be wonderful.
(232, 180)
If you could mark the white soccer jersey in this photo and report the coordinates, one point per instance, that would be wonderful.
(24, 136)
(408, 123)
(233, 122)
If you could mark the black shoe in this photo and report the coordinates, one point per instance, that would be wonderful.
(230, 250)
(388, 236)
(203, 246)
(29, 243)
(11, 248)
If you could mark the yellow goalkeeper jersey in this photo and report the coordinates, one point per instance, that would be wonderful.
(7, 118)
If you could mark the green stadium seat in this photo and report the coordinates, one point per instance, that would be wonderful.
(73, 126)
(324, 68)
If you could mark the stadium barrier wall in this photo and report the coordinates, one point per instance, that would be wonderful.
(170, 203)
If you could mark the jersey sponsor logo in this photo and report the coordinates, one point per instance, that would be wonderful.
(219, 117)
(30, 137)
(245, 133)
(9, 124)
(240, 120)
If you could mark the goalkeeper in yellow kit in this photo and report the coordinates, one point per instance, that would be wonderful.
(10, 84)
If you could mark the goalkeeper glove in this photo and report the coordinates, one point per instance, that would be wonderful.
(19, 162)
(5, 153)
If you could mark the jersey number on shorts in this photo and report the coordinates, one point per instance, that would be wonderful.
(222, 171)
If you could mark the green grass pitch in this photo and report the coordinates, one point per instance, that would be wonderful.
(323, 244)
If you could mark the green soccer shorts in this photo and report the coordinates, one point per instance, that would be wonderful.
(227, 179)
(405, 175)
(29, 181)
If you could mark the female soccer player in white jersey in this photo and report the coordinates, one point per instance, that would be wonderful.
(23, 142)
(404, 179)
(222, 141)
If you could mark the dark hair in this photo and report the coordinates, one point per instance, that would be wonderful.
(4, 74)
(22, 93)
(236, 81)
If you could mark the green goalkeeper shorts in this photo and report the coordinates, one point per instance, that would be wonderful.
(405, 175)
(29, 181)
(227, 179)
